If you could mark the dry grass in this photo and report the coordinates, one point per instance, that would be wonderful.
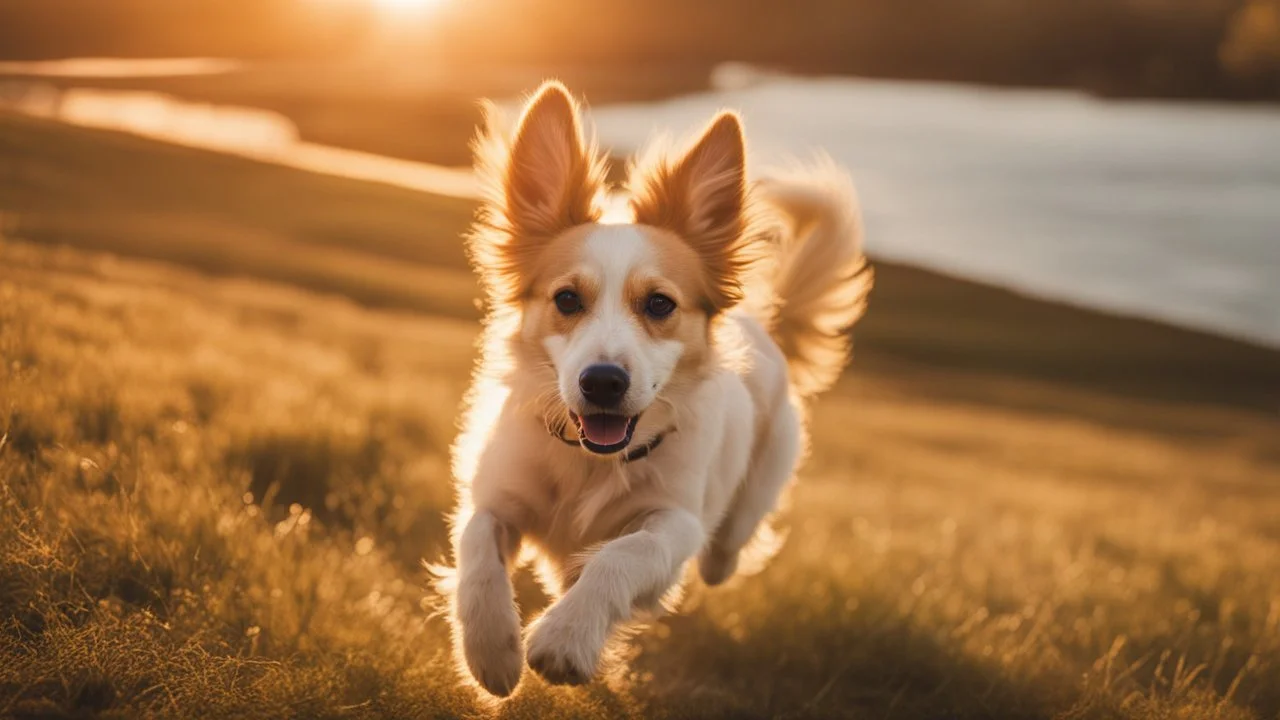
(215, 494)
(376, 244)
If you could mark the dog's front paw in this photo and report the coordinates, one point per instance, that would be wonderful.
(491, 644)
(717, 564)
(495, 661)
(494, 657)
(565, 647)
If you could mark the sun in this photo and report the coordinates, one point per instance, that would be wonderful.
(408, 5)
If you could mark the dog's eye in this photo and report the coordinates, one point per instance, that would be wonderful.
(659, 305)
(568, 302)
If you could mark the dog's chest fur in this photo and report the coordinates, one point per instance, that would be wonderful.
(584, 501)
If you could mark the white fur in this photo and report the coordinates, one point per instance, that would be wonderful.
(614, 537)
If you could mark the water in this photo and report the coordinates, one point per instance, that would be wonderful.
(247, 132)
(1168, 211)
(120, 67)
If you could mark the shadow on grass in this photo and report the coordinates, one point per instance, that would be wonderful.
(349, 483)
(869, 662)
(310, 469)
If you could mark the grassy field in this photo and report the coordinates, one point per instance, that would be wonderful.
(223, 460)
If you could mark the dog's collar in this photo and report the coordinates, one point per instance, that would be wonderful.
(632, 455)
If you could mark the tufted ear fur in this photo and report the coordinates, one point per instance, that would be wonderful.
(701, 196)
(542, 182)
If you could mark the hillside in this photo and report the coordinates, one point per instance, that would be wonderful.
(227, 392)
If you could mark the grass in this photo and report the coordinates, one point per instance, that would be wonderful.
(230, 216)
(217, 481)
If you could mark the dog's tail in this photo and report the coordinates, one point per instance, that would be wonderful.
(821, 280)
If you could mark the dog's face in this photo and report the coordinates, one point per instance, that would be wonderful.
(617, 311)
(618, 314)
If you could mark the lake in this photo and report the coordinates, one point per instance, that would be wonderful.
(1162, 210)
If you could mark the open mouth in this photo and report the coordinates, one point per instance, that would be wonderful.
(603, 433)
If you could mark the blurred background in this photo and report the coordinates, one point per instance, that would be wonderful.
(236, 322)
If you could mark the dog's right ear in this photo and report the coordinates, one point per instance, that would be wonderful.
(545, 181)
(701, 196)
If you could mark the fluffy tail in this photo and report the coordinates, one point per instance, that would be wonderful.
(821, 281)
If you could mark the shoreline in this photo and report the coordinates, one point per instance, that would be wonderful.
(1085, 255)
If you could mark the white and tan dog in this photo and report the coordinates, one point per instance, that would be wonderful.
(625, 417)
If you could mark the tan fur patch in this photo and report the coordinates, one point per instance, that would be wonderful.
(680, 275)
(557, 267)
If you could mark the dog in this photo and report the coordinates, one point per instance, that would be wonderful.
(641, 392)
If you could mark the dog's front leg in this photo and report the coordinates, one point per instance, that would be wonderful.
(634, 570)
(487, 625)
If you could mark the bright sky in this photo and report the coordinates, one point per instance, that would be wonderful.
(408, 5)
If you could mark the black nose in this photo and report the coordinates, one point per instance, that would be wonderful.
(604, 385)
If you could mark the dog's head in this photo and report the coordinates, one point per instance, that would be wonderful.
(611, 315)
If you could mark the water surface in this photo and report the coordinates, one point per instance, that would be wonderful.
(1163, 210)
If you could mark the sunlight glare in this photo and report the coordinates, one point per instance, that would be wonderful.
(408, 5)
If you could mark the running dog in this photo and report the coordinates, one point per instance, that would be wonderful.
(640, 397)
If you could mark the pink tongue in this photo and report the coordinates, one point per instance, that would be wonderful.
(605, 429)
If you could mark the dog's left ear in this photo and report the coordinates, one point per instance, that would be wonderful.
(702, 197)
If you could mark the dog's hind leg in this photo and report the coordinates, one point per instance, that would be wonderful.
(771, 468)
